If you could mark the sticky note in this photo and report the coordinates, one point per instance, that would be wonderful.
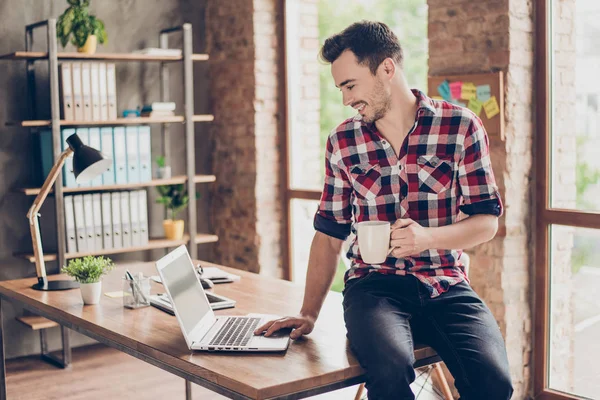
(475, 106)
(444, 91)
(483, 92)
(491, 107)
(456, 89)
(468, 91)
(437, 97)
(120, 293)
(458, 103)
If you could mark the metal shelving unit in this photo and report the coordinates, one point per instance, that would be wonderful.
(52, 55)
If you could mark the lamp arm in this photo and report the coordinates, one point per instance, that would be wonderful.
(33, 215)
(48, 183)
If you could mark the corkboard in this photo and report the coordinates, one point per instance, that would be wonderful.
(495, 125)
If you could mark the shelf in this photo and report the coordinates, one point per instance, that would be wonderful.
(118, 121)
(40, 55)
(155, 182)
(35, 322)
(152, 244)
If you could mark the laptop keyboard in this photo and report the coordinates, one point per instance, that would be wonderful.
(235, 332)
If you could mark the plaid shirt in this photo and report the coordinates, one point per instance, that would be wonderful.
(443, 167)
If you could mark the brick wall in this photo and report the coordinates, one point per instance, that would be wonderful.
(497, 35)
(244, 78)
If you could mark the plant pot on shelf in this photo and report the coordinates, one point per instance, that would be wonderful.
(90, 292)
(163, 172)
(90, 45)
(173, 229)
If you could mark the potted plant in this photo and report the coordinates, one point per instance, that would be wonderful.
(175, 199)
(162, 171)
(88, 271)
(84, 30)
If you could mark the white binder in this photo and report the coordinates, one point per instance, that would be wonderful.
(134, 216)
(125, 220)
(106, 139)
(96, 143)
(107, 230)
(95, 85)
(103, 92)
(97, 213)
(115, 204)
(82, 243)
(77, 93)
(133, 168)
(111, 85)
(70, 225)
(86, 92)
(120, 151)
(145, 153)
(66, 86)
(88, 215)
(143, 216)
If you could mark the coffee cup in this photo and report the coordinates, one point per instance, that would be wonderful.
(373, 241)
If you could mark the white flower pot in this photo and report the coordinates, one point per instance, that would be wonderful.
(90, 292)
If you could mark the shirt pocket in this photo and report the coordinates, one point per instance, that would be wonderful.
(366, 180)
(435, 173)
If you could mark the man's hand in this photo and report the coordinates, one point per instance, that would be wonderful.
(408, 238)
(302, 324)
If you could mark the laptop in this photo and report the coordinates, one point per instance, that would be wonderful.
(201, 328)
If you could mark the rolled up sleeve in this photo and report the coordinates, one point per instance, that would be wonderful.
(475, 175)
(334, 216)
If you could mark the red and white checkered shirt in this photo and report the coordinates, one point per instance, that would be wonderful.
(443, 167)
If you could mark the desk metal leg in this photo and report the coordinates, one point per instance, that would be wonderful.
(188, 390)
(2, 363)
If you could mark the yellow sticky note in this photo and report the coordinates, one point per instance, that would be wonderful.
(475, 106)
(120, 293)
(468, 91)
(437, 97)
(491, 107)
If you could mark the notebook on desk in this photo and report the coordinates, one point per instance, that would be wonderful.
(201, 328)
(217, 302)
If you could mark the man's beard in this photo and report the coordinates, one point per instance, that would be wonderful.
(381, 104)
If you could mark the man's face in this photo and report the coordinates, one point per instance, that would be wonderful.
(368, 94)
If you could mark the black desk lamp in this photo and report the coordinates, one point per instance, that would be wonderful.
(88, 163)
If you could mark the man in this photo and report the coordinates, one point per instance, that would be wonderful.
(415, 162)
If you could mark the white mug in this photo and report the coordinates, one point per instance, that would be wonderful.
(373, 241)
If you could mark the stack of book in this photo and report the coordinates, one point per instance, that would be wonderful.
(100, 221)
(159, 109)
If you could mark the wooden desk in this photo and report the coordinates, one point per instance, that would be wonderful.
(318, 363)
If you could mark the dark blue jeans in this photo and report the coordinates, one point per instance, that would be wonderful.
(384, 312)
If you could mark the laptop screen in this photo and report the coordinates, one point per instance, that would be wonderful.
(186, 291)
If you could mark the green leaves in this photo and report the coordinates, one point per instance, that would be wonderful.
(75, 24)
(160, 161)
(88, 269)
(174, 197)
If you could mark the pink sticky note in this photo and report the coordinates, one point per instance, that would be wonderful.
(456, 89)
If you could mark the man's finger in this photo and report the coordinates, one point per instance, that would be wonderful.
(402, 223)
(263, 327)
(290, 323)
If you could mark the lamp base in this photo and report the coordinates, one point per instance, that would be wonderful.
(56, 285)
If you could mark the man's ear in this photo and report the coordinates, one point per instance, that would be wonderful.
(388, 67)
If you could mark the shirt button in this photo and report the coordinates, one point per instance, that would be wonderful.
(384, 142)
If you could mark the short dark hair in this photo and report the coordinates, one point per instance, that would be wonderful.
(371, 42)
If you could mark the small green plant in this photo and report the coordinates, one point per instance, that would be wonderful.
(160, 161)
(77, 24)
(88, 269)
(174, 197)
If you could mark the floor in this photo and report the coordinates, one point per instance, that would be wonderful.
(99, 372)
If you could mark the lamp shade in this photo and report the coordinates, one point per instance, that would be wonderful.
(88, 162)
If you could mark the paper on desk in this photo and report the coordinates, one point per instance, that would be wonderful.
(117, 294)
